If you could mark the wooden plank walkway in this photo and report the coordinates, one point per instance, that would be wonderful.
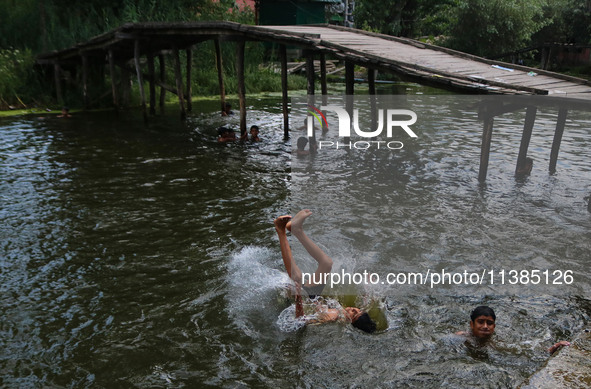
(425, 63)
(438, 65)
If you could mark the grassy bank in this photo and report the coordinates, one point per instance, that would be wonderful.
(25, 87)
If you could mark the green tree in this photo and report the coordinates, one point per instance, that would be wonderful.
(409, 18)
(492, 27)
(570, 22)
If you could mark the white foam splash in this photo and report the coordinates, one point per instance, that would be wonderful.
(254, 282)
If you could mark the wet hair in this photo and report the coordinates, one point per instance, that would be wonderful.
(364, 323)
(222, 130)
(302, 142)
(254, 128)
(482, 310)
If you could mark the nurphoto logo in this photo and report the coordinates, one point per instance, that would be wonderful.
(388, 119)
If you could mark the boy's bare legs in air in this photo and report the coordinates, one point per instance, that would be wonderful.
(296, 226)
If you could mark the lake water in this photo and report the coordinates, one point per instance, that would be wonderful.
(144, 256)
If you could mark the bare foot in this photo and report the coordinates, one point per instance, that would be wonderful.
(297, 223)
(281, 222)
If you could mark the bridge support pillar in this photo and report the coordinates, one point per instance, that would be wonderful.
(311, 87)
(371, 80)
(152, 84)
(323, 87)
(557, 139)
(179, 82)
(57, 74)
(85, 81)
(241, 88)
(162, 66)
(140, 80)
(220, 69)
(113, 82)
(188, 82)
(349, 89)
(523, 166)
(485, 148)
(284, 96)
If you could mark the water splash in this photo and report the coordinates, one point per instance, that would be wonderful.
(254, 284)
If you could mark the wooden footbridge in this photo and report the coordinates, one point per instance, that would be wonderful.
(422, 63)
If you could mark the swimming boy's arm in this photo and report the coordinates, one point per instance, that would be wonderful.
(558, 345)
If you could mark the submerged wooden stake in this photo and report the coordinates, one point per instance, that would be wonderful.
(557, 139)
(284, 96)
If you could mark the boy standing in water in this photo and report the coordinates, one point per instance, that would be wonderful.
(355, 316)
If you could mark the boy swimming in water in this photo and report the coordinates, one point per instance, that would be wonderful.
(324, 314)
(482, 326)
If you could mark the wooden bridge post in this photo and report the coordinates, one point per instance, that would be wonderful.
(179, 82)
(350, 89)
(57, 74)
(309, 54)
(485, 148)
(113, 83)
(125, 89)
(152, 83)
(557, 139)
(371, 81)
(350, 78)
(136, 57)
(188, 84)
(85, 81)
(218, 62)
(284, 96)
(530, 118)
(310, 71)
(323, 87)
(241, 87)
(162, 63)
